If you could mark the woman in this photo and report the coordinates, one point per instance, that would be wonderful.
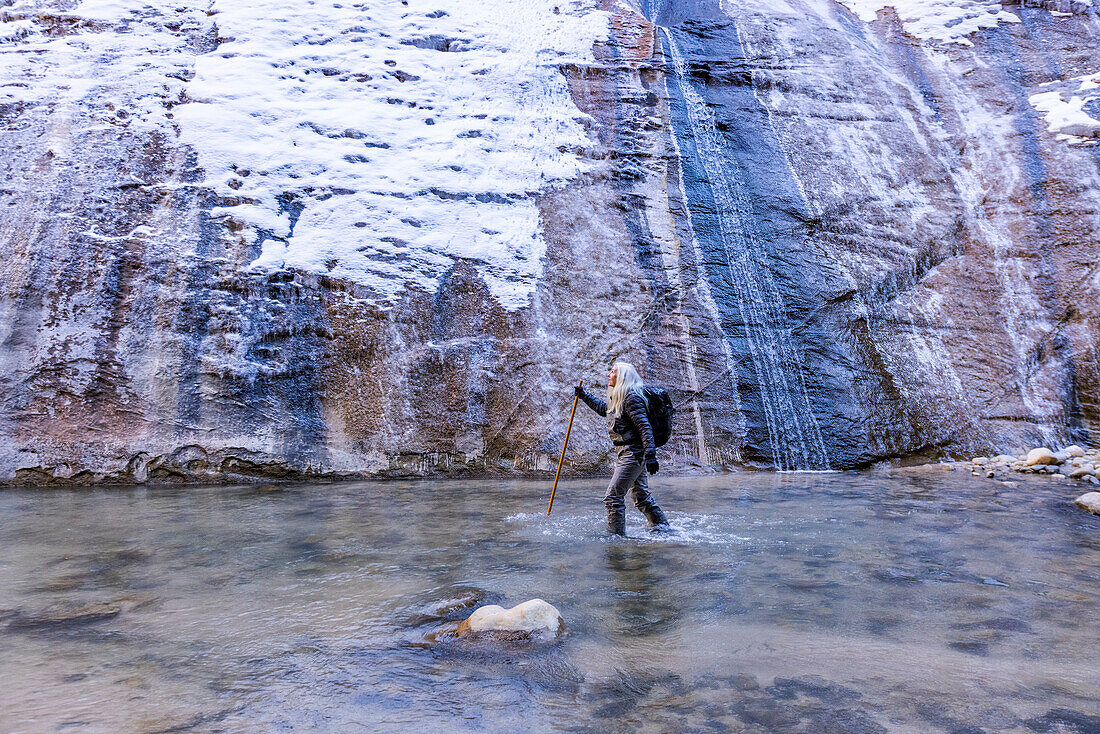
(628, 424)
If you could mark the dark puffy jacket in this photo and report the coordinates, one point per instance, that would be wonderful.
(629, 429)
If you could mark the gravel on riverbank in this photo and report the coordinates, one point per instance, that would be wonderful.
(1071, 465)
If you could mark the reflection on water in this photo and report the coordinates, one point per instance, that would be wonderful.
(794, 602)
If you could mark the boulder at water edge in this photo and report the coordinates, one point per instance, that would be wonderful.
(1041, 456)
(1089, 502)
(534, 619)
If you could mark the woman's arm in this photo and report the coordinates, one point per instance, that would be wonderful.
(591, 401)
(635, 407)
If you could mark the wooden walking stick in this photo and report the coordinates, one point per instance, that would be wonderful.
(567, 430)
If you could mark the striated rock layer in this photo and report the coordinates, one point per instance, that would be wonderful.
(257, 239)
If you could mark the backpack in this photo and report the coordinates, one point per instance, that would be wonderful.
(660, 411)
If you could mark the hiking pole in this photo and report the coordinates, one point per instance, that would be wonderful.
(567, 430)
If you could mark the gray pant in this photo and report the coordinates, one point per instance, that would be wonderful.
(630, 473)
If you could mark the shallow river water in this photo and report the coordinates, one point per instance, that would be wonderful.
(836, 602)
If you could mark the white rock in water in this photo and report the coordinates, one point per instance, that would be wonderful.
(1089, 502)
(1080, 473)
(1006, 459)
(1041, 456)
(979, 460)
(531, 618)
(1073, 450)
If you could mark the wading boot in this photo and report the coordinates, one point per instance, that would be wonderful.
(616, 522)
(658, 523)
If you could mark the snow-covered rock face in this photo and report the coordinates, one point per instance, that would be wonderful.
(132, 59)
(322, 238)
(1071, 108)
(375, 143)
(948, 21)
(378, 142)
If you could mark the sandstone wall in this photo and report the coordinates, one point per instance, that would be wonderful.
(930, 238)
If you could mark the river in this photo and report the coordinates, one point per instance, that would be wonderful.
(802, 602)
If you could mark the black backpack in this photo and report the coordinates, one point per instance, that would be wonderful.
(660, 412)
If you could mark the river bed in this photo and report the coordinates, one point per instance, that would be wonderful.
(801, 602)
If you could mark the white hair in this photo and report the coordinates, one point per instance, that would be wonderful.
(627, 380)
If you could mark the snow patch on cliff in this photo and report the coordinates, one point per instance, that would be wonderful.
(109, 62)
(1071, 107)
(380, 142)
(947, 21)
(15, 30)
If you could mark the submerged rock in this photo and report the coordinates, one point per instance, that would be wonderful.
(534, 619)
(1059, 720)
(814, 686)
(1089, 502)
(60, 618)
(447, 605)
(1000, 624)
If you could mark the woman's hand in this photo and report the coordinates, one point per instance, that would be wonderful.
(578, 391)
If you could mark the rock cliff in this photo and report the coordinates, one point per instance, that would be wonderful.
(249, 238)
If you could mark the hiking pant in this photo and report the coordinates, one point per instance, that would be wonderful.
(630, 473)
